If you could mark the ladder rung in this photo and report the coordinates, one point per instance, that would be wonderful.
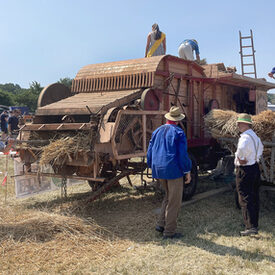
(246, 37)
(249, 73)
(246, 55)
(250, 64)
(246, 46)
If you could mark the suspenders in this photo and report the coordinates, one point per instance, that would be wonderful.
(255, 147)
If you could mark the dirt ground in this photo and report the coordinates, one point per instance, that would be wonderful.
(115, 234)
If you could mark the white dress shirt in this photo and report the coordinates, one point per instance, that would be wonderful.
(247, 148)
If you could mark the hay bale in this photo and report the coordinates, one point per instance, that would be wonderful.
(264, 125)
(223, 124)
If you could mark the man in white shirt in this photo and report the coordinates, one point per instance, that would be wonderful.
(247, 156)
(186, 49)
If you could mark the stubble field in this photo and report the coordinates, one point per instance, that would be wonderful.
(115, 234)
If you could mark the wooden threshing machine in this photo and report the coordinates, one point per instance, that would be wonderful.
(119, 104)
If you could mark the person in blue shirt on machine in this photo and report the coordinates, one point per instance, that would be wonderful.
(271, 74)
(168, 158)
(186, 49)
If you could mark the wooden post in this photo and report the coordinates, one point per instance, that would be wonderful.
(272, 159)
(6, 174)
(144, 133)
(95, 165)
(201, 108)
(190, 118)
(264, 168)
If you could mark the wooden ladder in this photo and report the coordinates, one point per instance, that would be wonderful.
(247, 54)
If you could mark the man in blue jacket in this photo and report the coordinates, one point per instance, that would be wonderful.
(168, 158)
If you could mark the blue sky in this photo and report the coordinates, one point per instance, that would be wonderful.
(45, 40)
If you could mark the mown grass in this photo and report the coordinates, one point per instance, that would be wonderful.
(129, 245)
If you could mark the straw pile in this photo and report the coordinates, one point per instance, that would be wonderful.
(264, 125)
(65, 147)
(41, 241)
(41, 226)
(223, 124)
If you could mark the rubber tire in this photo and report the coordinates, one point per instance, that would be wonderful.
(190, 189)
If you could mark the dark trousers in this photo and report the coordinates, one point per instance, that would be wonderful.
(248, 183)
(171, 205)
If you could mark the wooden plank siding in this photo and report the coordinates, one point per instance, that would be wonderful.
(113, 84)
(95, 101)
(261, 101)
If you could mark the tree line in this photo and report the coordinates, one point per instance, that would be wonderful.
(13, 95)
(271, 98)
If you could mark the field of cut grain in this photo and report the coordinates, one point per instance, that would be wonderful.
(115, 234)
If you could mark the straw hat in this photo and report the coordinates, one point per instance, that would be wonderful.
(244, 118)
(174, 114)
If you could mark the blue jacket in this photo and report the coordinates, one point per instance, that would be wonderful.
(167, 153)
(193, 44)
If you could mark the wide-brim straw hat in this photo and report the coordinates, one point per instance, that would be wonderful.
(244, 118)
(174, 114)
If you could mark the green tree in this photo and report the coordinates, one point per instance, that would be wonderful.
(35, 87)
(6, 98)
(10, 87)
(66, 81)
(271, 98)
(13, 94)
(27, 98)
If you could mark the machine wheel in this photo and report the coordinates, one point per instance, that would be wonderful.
(53, 93)
(107, 171)
(150, 100)
(190, 189)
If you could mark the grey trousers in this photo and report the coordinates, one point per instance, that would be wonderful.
(170, 205)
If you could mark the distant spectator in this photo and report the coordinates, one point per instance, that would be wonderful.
(13, 123)
(156, 42)
(4, 125)
(271, 74)
(2, 146)
(212, 104)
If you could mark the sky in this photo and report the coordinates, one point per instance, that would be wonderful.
(45, 40)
